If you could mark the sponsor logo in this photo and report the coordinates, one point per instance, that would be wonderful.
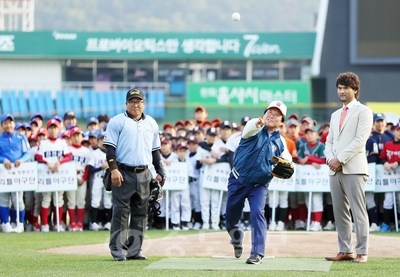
(7, 43)
(254, 49)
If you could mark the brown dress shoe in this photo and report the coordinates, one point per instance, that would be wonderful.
(361, 258)
(341, 256)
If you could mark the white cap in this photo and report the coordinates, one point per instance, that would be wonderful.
(279, 105)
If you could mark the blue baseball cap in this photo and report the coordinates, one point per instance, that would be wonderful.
(36, 115)
(379, 116)
(19, 125)
(93, 134)
(92, 120)
(27, 125)
(101, 134)
(6, 116)
(56, 117)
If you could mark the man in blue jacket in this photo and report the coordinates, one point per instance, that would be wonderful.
(14, 149)
(251, 175)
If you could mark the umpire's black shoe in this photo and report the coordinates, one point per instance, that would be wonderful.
(119, 258)
(238, 244)
(238, 249)
(254, 259)
(138, 256)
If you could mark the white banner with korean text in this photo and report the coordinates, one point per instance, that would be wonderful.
(22, 178)
(278, 184)
(63, 180)
(216, 176)
(177, 176)
(371, 181)
(309, 178)
(387, 181)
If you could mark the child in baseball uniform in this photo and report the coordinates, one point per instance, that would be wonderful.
(76, 198)
(312, 153)
(52, 151)
(180, 199)
(209, 198)
(194, 182)
(97, 165)
(220, 152)
(168, 157)
(41, 135)
(390, 155)
(29, 195)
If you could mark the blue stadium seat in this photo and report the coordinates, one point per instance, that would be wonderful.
(151, 102)
(177, 88)
(76, 103)
(94, 103)
(67, 101)
(23, 105)
(50, 110)
(41, 104)
(32, 102)
(5, 102)
(110, 100)
(60, 103)
(86, 103)
(102, 102)
(14, 103)
(160, 104)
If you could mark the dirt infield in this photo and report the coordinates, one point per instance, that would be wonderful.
(281, 244)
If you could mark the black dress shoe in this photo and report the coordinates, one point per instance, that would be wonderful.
(138, 256)
(119, 258)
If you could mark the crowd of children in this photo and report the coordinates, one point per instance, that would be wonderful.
(196, 142)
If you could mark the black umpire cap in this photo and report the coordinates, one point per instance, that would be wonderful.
(134, 93)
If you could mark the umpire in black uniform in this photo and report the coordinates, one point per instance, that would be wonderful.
(133, 144)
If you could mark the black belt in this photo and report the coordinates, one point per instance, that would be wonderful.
(191, 179)
(136, 169)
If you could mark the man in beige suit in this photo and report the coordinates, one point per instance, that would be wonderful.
(349, 130)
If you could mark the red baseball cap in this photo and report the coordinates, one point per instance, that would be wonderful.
(42, 131)
(53, 122)
(167, 125)
(75, 130)
(200, 108)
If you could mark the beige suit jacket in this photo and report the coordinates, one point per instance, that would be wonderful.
(348, 144)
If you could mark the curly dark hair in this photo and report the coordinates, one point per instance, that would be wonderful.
(349, 79)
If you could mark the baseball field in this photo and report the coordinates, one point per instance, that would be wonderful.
(190, 253)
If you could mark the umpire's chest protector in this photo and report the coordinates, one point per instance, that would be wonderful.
(253, 157)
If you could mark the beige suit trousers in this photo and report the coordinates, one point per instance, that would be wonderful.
(348, 192)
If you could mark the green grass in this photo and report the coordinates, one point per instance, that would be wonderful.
(19, 256)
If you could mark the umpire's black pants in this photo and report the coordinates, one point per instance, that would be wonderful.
(130, 198)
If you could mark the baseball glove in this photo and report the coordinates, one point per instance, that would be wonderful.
(283, 169)
(156, 194)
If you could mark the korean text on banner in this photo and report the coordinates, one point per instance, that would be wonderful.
(177, 176)
(370, 185)
(23, 178)
(63, 180)
(387, 181)
(216, 176)
(308, 178)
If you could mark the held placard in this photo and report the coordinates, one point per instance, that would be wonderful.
(308, 178)
(22, 178)
(216, 176)
(177, 176)
(63, 180)
(387, 181)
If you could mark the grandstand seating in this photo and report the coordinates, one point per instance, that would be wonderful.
(85, 104)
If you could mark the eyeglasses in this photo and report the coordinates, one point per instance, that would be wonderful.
(274, 115)
(135, 103)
